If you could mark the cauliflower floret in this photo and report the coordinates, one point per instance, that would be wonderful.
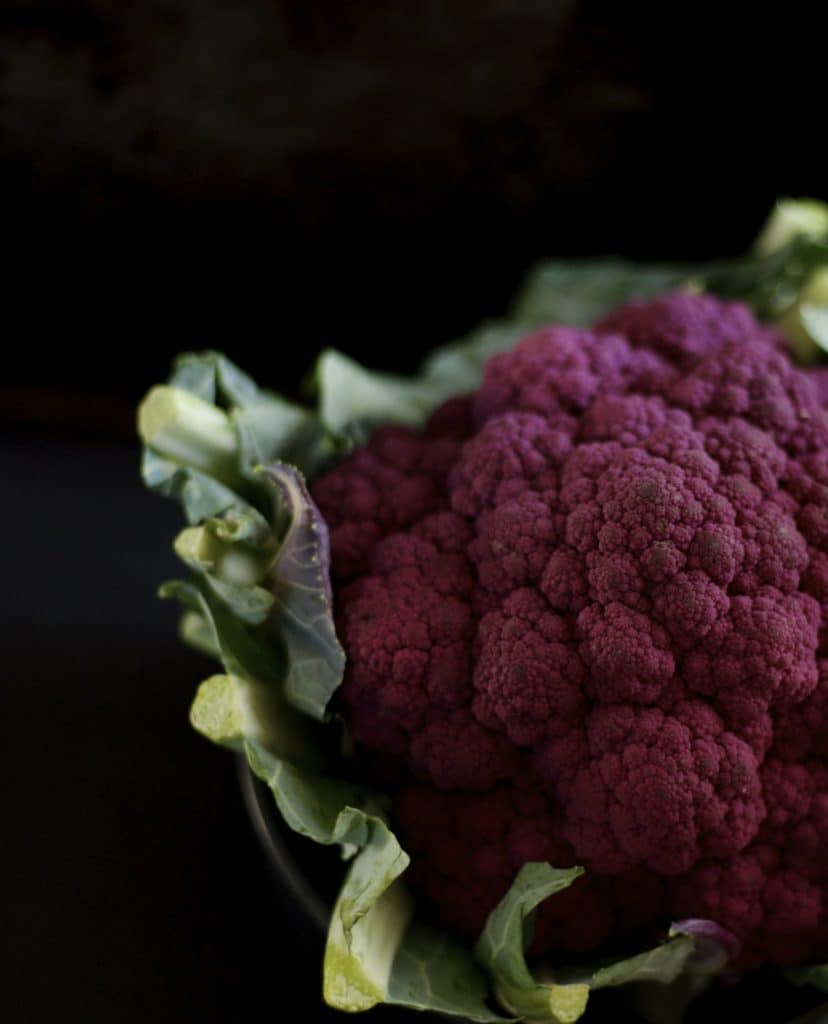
(660, 790)
(526, 673)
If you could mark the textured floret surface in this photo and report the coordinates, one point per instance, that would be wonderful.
(584, 611)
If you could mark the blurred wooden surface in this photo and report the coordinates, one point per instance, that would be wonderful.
(396, 107)
(268, 178)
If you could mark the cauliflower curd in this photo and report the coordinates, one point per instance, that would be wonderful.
(584, 614)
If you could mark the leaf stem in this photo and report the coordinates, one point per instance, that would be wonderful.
(190, 431)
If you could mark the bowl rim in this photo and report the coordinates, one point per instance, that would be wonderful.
(259, 803)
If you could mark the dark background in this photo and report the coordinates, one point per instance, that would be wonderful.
(269, 178)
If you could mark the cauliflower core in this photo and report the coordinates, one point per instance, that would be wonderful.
(584, 612)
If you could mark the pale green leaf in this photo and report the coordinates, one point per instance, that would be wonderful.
(789, 219)
(501, 950)
(272, 428)
(368, 923)
(200, 495)
(231, 569)
(433, 971)
(196, 632)
(579, 293)
(213, 377)
(349, 394)
(377, 953)
(250, 690)
(189, 432)
(457, 368)
(662, 964)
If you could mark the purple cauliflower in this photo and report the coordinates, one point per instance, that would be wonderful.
(584, 612)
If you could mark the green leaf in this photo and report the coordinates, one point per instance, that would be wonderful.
(457, 368)
(352, 399)
(189, 432)
(196, 632)
(433, 971)
(231, 569)
(267, 426)
(373, 954)
(815, 321)
(350, 395)
(244, 709)
(771, 284)
(816, 975)
(662, 964)
(790, 219)
(249, 693)
(697, 947)
(213, 377)
(283, 584)
(271, 428)
(664, 978)
(579, 293)
(501, 950)
(806, 321)
(368, 923)
(242, 526)
(303, 603)
(200, 495)
(271, 574)
(211, 418)
(313, 804)
(667, 977)
(219, 711)
(376, 953)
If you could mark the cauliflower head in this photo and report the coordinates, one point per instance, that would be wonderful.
(584, 612)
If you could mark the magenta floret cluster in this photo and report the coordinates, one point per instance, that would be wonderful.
(584, 612)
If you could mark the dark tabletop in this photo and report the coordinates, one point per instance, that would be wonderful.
(134, 887)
